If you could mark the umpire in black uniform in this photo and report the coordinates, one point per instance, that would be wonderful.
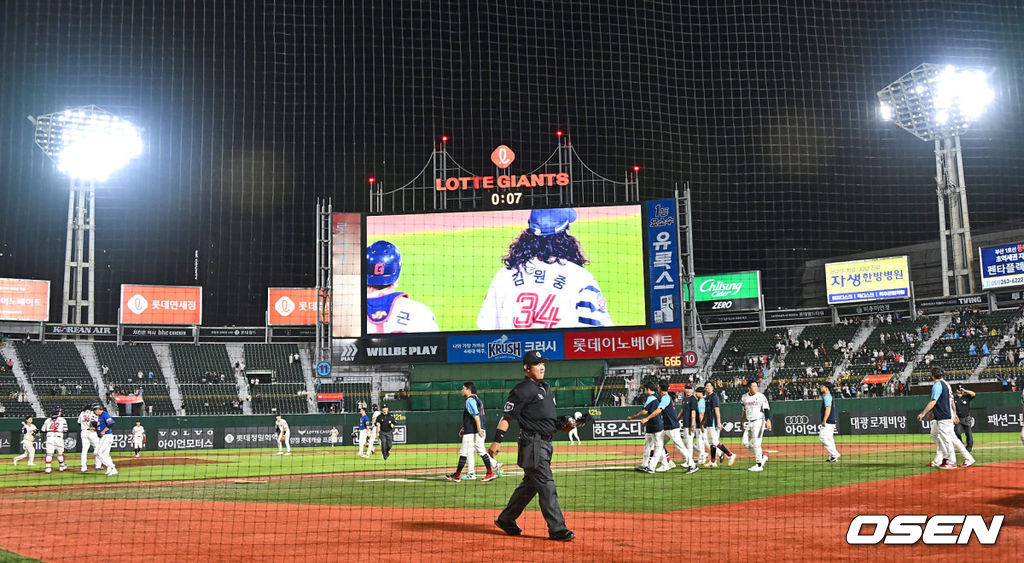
(386, 428)
(532, 404)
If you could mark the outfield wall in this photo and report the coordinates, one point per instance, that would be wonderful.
(993, 412)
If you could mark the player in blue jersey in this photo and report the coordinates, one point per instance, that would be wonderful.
(105, 433)
(671, 434)
(942, 412)
(364, 431)
(650, 419)
(713, 425)
(829, 419)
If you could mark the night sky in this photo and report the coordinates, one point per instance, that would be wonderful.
(252, 113)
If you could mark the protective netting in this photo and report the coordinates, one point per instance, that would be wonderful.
(252, 112)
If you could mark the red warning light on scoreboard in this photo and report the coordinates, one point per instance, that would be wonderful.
(161, 305)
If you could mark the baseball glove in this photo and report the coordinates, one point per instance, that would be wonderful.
(566, 422)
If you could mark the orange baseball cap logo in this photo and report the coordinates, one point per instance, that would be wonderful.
(502, 157)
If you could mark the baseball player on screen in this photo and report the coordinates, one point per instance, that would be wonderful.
(28, 439)
(87, 424)
(284, 436)
(757, 414)
(138, 437)
(55, 427)
(364, 430)
(543, 283)
(390, 311)
(105, 435)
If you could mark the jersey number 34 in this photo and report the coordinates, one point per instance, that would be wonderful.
(530, 315)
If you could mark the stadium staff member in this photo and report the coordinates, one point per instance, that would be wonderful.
(963, 412)
(386, 428)
(532, 404)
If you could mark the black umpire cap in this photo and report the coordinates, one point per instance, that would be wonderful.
(533, 357)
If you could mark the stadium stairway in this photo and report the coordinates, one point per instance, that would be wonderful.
(236, 353)
(9, 354)
(858, 340)
(935, 333)
(163, 358)
(711, 360)
(307, 376)
(92, 365)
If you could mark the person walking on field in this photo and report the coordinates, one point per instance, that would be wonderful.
(532, 404)
(473, 435)
(829, 419)
(28, 442)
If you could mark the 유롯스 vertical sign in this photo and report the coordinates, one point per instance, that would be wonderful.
(24, 300)
(663, 263)
(161, 305)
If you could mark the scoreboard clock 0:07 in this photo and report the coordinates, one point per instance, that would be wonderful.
(506, 199)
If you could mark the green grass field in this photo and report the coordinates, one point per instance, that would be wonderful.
(597, 478)
(432, 260)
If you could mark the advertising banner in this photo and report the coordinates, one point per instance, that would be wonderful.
(1002, 266)
(183, 439)
(95, 330)
(128, 399)
(291, 306)
(796, 315)
(401, 349)
(24, 300)
(885, 422)
(330, 397)
(347, 280)
(738, 291)
(663, 263)
(504, 347)
(622, 344)
(157, 334)
(161, 305)
(617, 429)
(951, 302)
(867, 280)
(400, 436)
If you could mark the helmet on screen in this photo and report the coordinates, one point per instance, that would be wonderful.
(383, 263)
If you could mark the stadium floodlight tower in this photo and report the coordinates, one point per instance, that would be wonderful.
(88, 144)
(936, 104)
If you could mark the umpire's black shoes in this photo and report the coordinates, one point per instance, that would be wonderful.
(564, 535)
(510, 529)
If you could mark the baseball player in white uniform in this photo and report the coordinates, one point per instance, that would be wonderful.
(757, 415)
(574, 434)
(87, 424)
(334, 436)
(138, 437)
(55, 427)
(543, 283)
(373, 429)
(284, 436)
(387, 309)
(28, 442)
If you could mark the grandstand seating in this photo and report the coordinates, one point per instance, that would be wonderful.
(819, 336)
(58, 375)
(354, 393)
(902, 340)
(9, 390)
(283, 398)
(952, 349)
(126, 361)
(743, 344)
(203, 363)
(210, 398)
(275, 357)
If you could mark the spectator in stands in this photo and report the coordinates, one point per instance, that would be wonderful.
(972, 350)
(150, 374)
(985, 349)
(78, 389)
(3, 409)
(1004, 382)
(139, 375)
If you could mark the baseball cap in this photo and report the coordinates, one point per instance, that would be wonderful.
(533, 357)
(547, 222)
(384, 406)
(938, 372)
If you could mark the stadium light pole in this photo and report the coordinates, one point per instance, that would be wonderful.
(936, 104)
(88, 144)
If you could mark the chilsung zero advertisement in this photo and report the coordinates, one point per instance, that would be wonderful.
(738, 291)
